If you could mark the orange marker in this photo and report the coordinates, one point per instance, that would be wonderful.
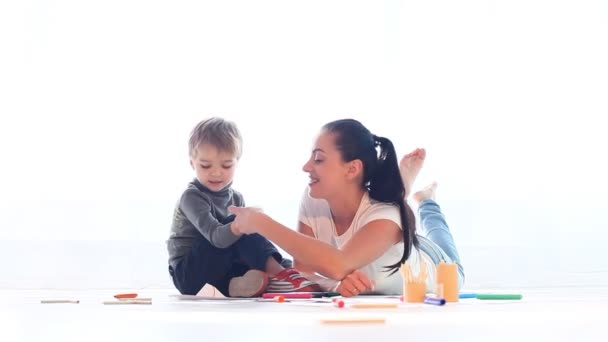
(125, 295)
(279, 299)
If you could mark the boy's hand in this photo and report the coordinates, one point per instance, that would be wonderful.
(247, 219)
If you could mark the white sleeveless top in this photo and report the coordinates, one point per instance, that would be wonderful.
(316, 214)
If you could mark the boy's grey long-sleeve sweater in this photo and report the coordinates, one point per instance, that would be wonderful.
(202, 213)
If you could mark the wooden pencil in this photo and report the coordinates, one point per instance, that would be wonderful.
(373, 305)
(353, 320)
(127, 302)
(59, 301)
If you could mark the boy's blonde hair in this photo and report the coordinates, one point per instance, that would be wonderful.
(219, 133)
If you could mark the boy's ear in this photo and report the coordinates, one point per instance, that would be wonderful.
(192, 164)
(355, 168)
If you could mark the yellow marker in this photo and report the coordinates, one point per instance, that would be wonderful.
(353, 321)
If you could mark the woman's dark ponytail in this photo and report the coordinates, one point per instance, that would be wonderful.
(381, 174)
(386, 185)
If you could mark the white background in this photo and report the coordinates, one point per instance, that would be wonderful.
(97, 100)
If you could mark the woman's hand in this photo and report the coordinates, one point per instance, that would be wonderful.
(354, 284)
(247, 221)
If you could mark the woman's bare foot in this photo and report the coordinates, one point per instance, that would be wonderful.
(410, 166)
(427, 193)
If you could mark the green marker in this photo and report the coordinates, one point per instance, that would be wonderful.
(320, 294)
(499, 296)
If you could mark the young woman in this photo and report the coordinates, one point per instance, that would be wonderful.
(355, 226)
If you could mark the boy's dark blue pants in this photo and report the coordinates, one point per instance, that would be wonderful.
(207, 264)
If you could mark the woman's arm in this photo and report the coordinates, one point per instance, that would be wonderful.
(307, 271)
(368, 244)
(353, 284)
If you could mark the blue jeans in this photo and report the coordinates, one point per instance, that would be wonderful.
(438, 242)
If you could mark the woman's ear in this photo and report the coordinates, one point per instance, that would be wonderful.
(355, 169)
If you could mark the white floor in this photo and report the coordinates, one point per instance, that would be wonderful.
(564, 314)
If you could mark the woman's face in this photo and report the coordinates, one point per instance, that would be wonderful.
(325, 167)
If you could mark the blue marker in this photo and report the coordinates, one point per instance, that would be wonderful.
(467, 295)
(434, 301)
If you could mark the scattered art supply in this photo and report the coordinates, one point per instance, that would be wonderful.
(295, 295)
(59, 301)
(447, 277)
(415, 292)
(210, 298)
(414, 288)
(339, 303)
(488, 296)
(125, 295)
(373, 305)
(128, 302)
(467, 295)
(434, 301)
(353, 320)
(275, 299)
(138, 298)
(439, 290)
(329, 294)
(305, 295)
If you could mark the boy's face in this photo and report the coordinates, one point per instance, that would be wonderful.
(214, 168)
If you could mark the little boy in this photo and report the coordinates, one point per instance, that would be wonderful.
(203, 247)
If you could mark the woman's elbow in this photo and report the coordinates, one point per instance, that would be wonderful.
(337, 271)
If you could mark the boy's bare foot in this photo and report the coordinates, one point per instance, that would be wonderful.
(427, 193)
(410, 166)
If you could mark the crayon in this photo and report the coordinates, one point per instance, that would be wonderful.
(301, 295)
(127, 302)
(353, 321)
(125, 295)
(467, 295)
(489, 296)
(374, 305)
(434, 301)
(59, 301)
